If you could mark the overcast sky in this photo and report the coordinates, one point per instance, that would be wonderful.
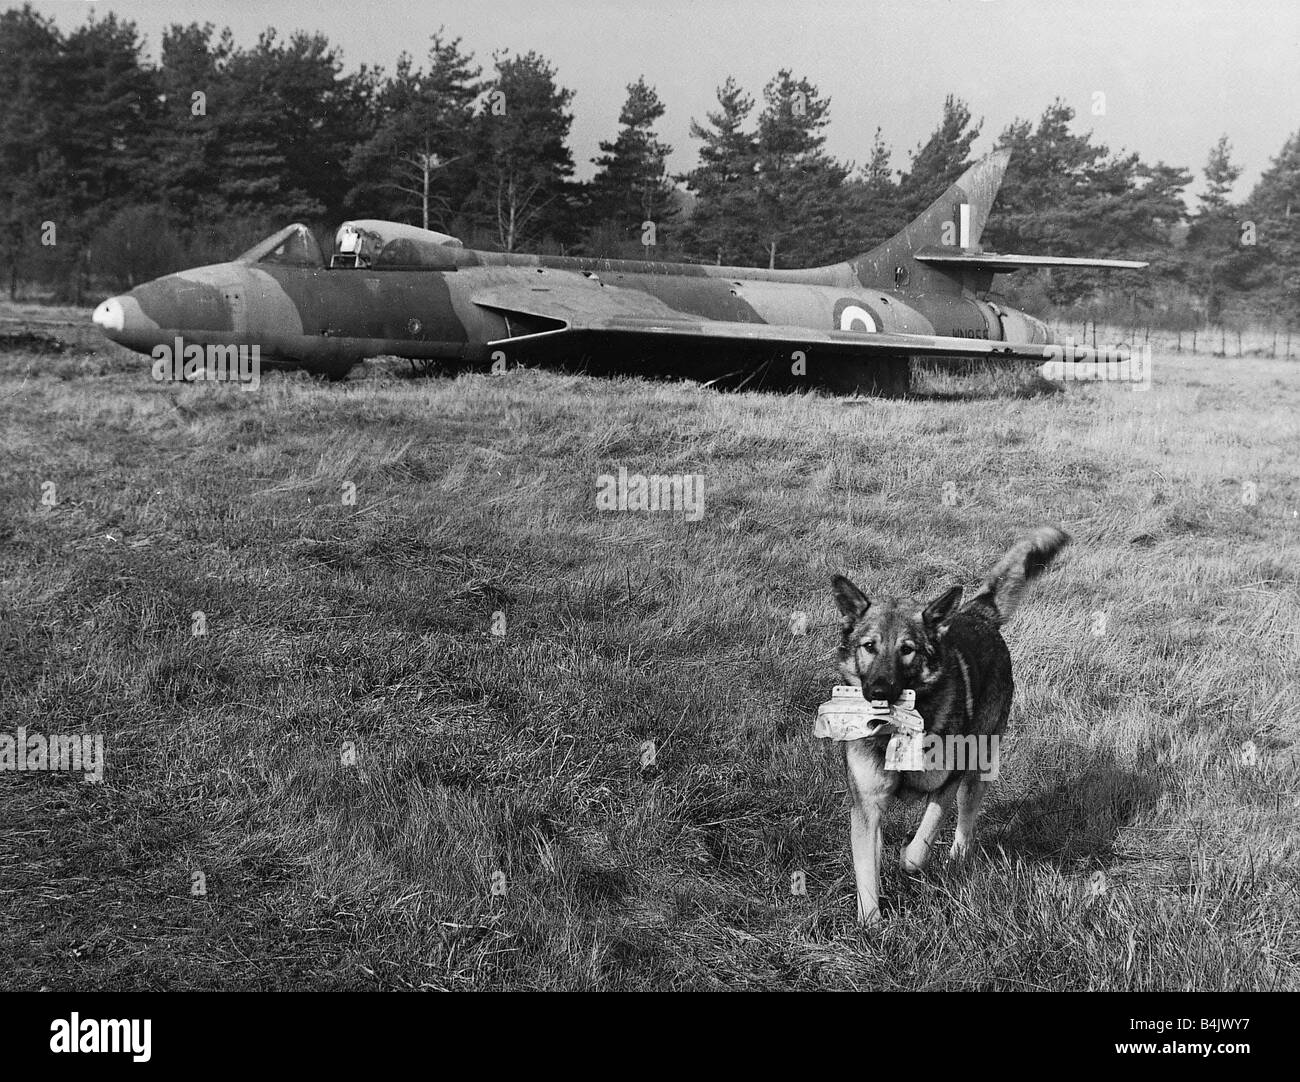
(1176, 74)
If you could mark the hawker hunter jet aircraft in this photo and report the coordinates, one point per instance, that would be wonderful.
(391, 289)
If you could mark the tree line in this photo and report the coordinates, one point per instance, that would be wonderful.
(114, 169)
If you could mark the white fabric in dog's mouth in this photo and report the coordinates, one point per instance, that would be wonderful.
(846, 715)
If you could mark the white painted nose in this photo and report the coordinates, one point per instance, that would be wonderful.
(110, 315)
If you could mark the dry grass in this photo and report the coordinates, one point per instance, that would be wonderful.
(370, 626)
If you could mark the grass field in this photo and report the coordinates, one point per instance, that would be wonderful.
(352, 781)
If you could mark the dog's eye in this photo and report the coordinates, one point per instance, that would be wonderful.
(906, 650)
(869, 647)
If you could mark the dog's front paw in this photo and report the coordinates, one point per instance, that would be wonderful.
(868, 917)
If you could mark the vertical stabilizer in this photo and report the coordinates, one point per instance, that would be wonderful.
(955, 221)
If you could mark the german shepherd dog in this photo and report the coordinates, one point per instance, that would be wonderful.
(958, 664)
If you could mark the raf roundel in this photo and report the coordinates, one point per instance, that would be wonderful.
(854, 317)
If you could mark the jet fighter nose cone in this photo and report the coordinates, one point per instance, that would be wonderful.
(124, 321)
(110, 316)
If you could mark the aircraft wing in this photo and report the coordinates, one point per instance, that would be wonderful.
(1003, 264)
(636, 315)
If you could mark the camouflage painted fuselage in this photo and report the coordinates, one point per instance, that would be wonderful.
(852, 324)
(328, 320)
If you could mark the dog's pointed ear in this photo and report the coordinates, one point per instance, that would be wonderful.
(941, 608)
(851, 601)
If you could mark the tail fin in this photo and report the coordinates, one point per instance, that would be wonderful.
(955, 221)
(998, 598)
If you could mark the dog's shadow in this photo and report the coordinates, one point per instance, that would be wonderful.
(1076, 801)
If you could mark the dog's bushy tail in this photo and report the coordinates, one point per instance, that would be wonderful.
(998, 598)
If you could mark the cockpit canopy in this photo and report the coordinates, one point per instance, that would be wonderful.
(365, 243)
(381, 245)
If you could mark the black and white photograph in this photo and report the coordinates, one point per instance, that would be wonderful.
(650, 496)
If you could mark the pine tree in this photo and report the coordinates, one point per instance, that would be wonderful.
(187, 152)
(1212, 238)
(31, 167)
(107, 103)
(1065, 195)
(799, 198)
(255, 180)
(286, 119)
(416, 165)
(522, 156)
(876, 173)
(940, 160)
(1220, 175)
(1270, 268)
(724, 226)
(871, 211)
(631, 185)
(103, 112)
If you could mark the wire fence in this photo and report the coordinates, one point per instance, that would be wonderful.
(1216, 341)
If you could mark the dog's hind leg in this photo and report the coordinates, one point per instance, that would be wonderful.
(918, 850)
(970, 795)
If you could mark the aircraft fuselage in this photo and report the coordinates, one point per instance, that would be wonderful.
(326, 320)
(394, 289)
